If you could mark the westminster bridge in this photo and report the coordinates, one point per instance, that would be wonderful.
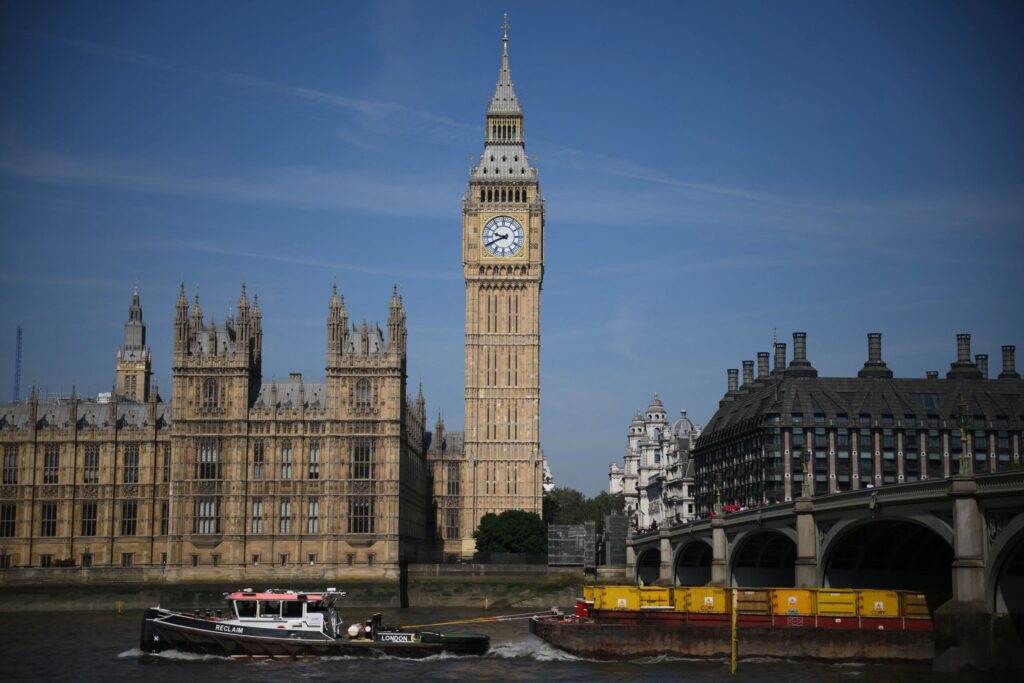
(960, 538)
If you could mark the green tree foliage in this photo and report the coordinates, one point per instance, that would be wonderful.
(513, 531)
(568, 506)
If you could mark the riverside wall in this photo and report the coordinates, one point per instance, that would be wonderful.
(444, 585)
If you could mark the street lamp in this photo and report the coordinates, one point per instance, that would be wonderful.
(963, 421)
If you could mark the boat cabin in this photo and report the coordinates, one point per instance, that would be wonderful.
(275, 605)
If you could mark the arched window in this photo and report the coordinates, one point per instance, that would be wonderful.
(513, 131)
(482, 195)
(490, 196)
(503, 194)
(210, 397)
(363, 395)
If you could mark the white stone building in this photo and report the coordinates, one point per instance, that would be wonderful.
(656, 477)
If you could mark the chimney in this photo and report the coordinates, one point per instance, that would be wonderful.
(932, 374)
(762, 364)
(875, 367)
(800, 366)
(963, 368)
(1009, 363)
(780, 358)
(981, 360)
(748, 372)
(733, 377)
(963, 348)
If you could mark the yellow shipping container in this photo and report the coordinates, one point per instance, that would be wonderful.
(837, 602)
(655, 596)
(753, 601)
(617, 597)
(915, 606)
(792, 601)
(876, 603)
(705, 599)
(588, 593)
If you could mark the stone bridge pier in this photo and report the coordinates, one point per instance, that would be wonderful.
(960, 540)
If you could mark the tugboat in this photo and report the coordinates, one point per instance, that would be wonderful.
(288, 624)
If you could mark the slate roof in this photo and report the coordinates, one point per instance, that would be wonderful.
(314, 394)
(854, 396)
(91, 414)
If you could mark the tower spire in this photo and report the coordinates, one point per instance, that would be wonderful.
(504, 101)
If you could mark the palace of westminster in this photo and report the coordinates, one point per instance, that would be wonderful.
(237, 476)
(337, 475)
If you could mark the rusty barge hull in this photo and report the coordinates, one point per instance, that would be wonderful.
(618, 641)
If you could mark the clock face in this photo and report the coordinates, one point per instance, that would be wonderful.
(503, 236)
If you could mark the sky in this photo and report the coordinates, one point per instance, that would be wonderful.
(716, 173)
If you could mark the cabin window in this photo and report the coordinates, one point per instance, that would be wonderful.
(270, 609)
(292, 609)
(246, 609)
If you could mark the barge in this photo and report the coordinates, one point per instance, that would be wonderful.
(289, 624)
(628, 622)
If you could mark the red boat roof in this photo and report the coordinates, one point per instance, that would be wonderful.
(243, 595)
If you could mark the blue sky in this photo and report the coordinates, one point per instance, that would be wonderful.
(713, 171)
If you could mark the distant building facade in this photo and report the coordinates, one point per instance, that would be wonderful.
(234, 471)
(845, 433)
(656, 477)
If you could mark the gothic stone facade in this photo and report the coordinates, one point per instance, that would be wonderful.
(788, 425)
(497, 464)
(232, 473)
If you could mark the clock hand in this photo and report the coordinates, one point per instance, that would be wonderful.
(496, 239)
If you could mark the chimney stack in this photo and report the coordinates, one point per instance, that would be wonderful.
(963, 368)
(963, 348)
(1009, 363)
(733, 379)
(762, 364)
(981, 360)
(932, 374)
(780, 358)
(875, 367)
(748, 372)
(800, 366)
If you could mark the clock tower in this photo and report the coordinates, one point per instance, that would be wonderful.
(503, 263)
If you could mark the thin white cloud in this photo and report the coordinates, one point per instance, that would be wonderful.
(300, 186)
(333, 266)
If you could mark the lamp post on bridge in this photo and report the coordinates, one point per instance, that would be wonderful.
(963, 421)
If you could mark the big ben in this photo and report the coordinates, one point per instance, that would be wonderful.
(503, 264)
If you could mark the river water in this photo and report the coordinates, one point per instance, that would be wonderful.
(104, 646)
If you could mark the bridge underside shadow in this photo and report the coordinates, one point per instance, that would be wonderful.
(891, 554)
(693, 564)
(648, 566)
(765, 559)
(1009, 587)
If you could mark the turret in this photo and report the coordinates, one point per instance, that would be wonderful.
(421, 405)
(242, 324)
(181, 322)
(396, 323)
(337, 326)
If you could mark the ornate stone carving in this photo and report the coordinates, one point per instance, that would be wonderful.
(996, 521)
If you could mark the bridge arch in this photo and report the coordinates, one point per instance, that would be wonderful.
(889, 552)
(764, 557)
(648, 564)
(692, 565)
(1004, 575)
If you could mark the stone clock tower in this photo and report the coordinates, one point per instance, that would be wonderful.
(503, 263)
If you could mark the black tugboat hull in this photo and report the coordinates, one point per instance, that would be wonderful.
(161, 632)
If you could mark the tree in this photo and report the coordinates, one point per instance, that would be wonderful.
(513, 531)
(564, 505)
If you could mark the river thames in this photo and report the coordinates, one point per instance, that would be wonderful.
(100, 645)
